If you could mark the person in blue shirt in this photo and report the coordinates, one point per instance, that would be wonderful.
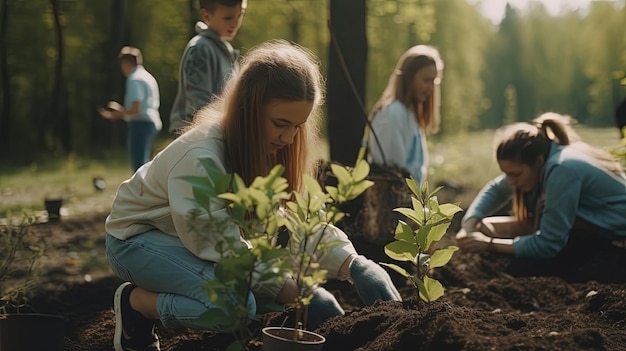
(406, 112)
(141, 107)
(563, 191)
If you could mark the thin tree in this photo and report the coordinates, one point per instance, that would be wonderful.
(5, 98)
(115, 42)
(60, 120)
(347, 64)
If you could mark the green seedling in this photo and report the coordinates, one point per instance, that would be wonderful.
(257, 213)
(431, 221)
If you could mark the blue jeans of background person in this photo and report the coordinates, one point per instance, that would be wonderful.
(159, 262)
(141, 135)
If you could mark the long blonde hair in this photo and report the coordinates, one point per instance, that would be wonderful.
(399, 86)
(273, 71)
(524, 143)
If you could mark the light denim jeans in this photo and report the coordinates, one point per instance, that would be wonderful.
(141, 135)
(159, 262)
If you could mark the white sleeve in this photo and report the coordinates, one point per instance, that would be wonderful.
(203, 233)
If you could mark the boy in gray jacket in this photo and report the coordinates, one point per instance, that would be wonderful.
(208, 60)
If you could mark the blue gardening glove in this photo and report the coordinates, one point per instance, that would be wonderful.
(323, 306)
(371, 281)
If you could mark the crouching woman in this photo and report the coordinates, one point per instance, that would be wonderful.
(568, 201)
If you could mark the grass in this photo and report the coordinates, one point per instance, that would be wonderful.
(465, 161)
(24, 190)
(468, 160)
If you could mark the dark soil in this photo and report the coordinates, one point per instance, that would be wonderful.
(484, 307)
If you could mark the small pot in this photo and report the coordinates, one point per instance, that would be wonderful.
(281, 339)
(32, 331)
(53, 207)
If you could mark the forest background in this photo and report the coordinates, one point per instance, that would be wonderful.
(58, 63)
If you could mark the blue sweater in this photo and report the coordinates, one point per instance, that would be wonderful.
(574, 185)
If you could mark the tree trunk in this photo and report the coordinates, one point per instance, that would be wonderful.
(347, 64)
(60, 119)
(5, 98)
(193, 17)
(105, 133)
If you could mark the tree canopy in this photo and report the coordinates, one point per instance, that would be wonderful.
(58, 61)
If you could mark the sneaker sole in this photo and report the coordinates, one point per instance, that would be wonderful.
(117, 337)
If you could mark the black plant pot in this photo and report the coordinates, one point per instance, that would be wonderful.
(53, 207)
(32, 331)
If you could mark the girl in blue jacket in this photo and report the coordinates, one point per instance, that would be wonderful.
(560, 188)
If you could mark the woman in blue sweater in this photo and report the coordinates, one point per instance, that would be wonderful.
(577, 193)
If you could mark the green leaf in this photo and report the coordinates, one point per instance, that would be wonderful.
(263, 210)
(433, 205)
(432, 289)
(441, 257)
(257, 196)
(231, 197)
(400, 251)
(361, 170)
(214, 171)
(341, 173)
(332, 192)
(449, 210)
(203, 198)
(422, 237)
(436, 233)
(437, 189)
(202, 183)
(420, 287)
(417, 206)
(396, 268)
(222, 184)
(358, 189)
(413, 186)
(271, 226)
(312, 185)
(404, 232)
(424, 190)
(301, 205)
(238, 213)
(409, 213)
(238, 183)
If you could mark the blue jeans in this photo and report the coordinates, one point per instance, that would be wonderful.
(140, 138)
(159, 262)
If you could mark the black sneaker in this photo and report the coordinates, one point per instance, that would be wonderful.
(133, 332)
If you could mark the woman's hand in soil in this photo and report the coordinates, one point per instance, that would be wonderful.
(371, 281)
(473, 241)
